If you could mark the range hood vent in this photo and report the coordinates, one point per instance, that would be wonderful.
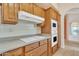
(25, 16)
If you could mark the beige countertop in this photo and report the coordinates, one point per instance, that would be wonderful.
(7, 45)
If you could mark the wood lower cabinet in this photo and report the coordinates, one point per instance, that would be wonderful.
(43, 42)
(54, 49)
(49, 49)
(16, 52)
(31, 46)
(35, 49)
(10, 13)
(44, 54)
(38, 51)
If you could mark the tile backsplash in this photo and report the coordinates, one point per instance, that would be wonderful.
(20, 27)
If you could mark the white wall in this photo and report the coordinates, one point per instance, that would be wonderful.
(64, 8)
(72, 18)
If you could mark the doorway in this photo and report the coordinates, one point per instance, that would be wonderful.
(71, 29)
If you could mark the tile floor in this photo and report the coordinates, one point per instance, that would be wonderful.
(71, 49)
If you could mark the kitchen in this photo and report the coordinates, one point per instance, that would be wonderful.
(29, 29)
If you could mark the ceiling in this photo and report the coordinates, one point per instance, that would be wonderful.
(68, 7)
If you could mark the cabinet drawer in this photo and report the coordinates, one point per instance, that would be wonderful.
(16, 52)
(31, 46)
(38, 51)
(44, 54)
(43, 42)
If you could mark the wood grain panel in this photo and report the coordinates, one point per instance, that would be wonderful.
(39, 11)
(43, 42)
(16, 52)
(31, 46)
(44, 54)
(49, 49)
(38, 51)
(54, 49)
(10, 14)
(47, 24)
(28, 7)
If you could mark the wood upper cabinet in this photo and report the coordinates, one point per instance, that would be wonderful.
(47, 23)
(32, 8)
(26, 7)
(39, 11)
(53, 14)
(10, 13)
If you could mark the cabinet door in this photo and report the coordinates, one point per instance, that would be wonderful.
(53, 13)
(31, 46)
(43, 42)
(5, 12)
(38, 11)
(28, 7)
(38, 51)
(10, 11)
(16, 52)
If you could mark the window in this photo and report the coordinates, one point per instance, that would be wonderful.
(75, 28)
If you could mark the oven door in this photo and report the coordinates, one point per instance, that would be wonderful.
(53, 26)
(54, 39)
